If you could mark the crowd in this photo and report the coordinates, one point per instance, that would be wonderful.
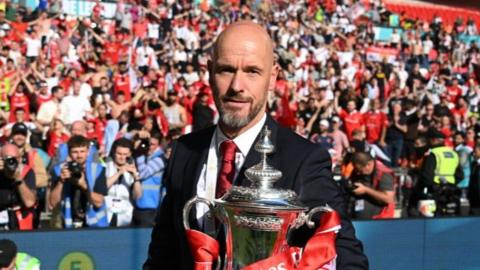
(89, 106)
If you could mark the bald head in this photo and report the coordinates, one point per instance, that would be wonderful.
(79, 128)
(244, 32)
(242, 72)
(10, 150)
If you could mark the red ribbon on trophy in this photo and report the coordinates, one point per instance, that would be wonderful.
(318, 253)
(205, 249)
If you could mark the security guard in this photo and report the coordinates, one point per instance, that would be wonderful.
(11, 260)
(440, 173)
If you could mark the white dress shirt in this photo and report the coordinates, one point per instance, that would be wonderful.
(207, 182)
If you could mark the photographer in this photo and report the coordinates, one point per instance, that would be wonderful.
(79, 184)
(151, 165)
(17, 191)
(372, 188)
(122, 182)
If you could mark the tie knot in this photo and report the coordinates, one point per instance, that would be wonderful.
(227, 150)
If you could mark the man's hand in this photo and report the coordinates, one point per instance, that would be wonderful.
(360, 189)
(65, 173)
(2, 164)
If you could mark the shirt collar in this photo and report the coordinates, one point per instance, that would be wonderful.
(245, 140)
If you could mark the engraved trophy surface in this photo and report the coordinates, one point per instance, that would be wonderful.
(257, 218)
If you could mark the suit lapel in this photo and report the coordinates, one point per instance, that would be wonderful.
(193, 168)
(253, 157)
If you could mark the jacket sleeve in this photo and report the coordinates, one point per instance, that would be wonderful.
(316, 187)
(161, 251)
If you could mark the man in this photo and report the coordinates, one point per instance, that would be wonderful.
(122, 182)
(174, 112)
(322, 138)
(466, 158)
(74, 107)
(242, 71)
(151, 165)
(373, 188)
(33, 158)
(11, 259)
(80, 186)
(51, 109)
(17, 191)
(441, 172)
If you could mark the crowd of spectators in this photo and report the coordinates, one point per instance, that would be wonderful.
(133, 83)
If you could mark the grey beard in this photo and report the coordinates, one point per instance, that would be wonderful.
(230, 120)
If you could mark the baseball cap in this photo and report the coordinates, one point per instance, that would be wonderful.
(324, 123)
(8, 251)
(336, 119)
(19, 128)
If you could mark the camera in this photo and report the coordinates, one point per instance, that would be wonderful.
(11, 163)
(349, 185)
(144, 145)
(75, 170)
(130, 160)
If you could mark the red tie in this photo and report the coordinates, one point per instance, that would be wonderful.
(227, 167)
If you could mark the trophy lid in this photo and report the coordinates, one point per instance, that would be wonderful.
(261, 194)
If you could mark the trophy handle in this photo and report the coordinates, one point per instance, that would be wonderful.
(188, 207)
(313, 211)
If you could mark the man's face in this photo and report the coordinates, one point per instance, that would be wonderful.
(19, 140)
(458, 139)
(241, 76)
(367, 170)
(154, 144)
(79, 129)
(351, 106)
(121, 155)
(20, 116)
(60, 94)
(79, 154)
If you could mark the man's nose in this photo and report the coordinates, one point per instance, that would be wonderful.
(237, 81)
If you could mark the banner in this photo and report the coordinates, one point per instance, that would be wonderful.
(377, 54)
(384, 34)
(84, 8)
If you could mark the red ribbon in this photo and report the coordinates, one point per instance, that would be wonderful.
(205, 249)
(319, 252)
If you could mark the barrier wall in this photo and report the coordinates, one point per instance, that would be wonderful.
(449, 243)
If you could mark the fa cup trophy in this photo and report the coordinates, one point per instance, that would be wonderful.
(258, 218)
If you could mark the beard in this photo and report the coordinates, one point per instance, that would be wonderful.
(230, 118)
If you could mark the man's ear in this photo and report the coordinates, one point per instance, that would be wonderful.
(273, 77)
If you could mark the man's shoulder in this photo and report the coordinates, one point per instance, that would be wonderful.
(194, 140)
(290, 142)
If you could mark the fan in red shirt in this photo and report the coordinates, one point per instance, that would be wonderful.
(56, 137)
(375, 122)
(454, 91)
(446, 129)
(121, 82)
(19, 101)
(99, 123)
(112, 50)
(352, 119)
(43, 95)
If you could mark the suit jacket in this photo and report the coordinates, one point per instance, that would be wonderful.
(306, 169)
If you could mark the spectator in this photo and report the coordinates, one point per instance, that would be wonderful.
(17, 188)
(151, 165)
(123, 183)
(75, 107)
(202, 113)
(80, 186)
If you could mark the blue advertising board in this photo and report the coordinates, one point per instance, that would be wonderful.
(446, 243)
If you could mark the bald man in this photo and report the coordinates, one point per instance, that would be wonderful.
(17, 189)
(242, 71)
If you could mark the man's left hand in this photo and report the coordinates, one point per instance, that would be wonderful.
(360, 190)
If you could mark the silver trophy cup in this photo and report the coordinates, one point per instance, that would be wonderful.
(258, 218)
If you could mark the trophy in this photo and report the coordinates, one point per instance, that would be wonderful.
(258, 218)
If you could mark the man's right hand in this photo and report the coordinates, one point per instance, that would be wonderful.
(2, 164)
